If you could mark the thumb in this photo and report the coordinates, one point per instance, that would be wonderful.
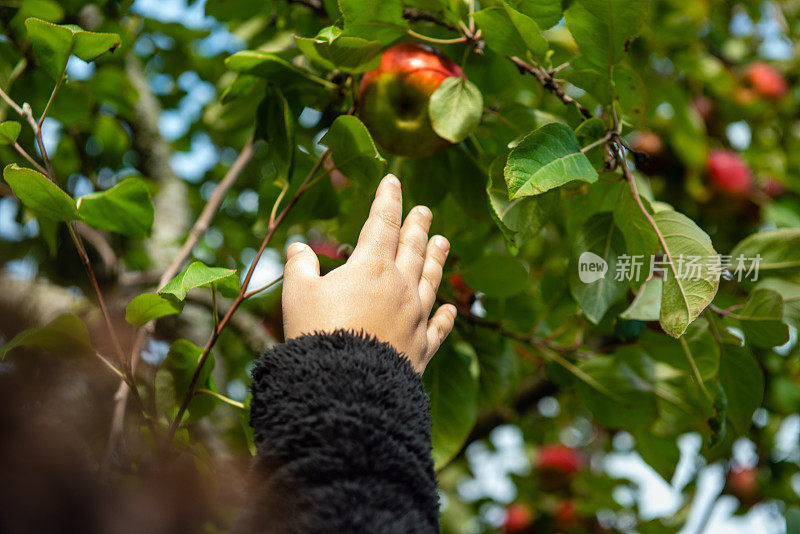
(301, 261)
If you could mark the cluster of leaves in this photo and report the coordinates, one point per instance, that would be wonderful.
(555, 93)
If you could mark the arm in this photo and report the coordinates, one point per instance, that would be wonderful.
(340, 415)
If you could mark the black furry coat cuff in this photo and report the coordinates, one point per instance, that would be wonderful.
(342, 429)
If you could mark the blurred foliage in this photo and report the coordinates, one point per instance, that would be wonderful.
(535, 182)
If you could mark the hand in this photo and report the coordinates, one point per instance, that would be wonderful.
(387, 288)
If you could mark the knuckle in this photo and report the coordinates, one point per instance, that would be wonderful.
(429, 279)
(388, 219)
(413, 245)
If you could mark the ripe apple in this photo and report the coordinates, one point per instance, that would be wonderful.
(326, 248)
(465, 295)
(742, 483)
(561, 458)
(766, 80)
(567, 518)
(393, 99)
(729, 173)
(557, 465)
(648, 151)
(772, 187)
(703, 106)
(518, 517)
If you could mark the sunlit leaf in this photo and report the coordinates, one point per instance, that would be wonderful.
(64, 335)
(455, 108)
(149, 306)
(545, 159)
(199, 274)
(126, 208)
(39, 194)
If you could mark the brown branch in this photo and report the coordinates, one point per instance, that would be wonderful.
(239, 299)
(198, 230)
(209, 210)
(549, 83)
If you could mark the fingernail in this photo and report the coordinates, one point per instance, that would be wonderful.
(392, 179)
(295, 248)
(425, 212)
(442, 243)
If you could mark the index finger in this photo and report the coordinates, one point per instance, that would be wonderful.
(381, 231)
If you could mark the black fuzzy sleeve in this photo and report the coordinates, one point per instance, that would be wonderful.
(342, 429)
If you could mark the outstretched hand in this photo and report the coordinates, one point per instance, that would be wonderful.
(387, 288)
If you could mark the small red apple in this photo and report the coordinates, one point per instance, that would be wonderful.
(729, 172)
(703, 106)
(518, 517)
(766, 80)
(326, 248)
(339, 180)
(649, 153)
(772, 187)
(393, 99)
(465, 295)
(560, 458)
(567, 518)
(742, 483)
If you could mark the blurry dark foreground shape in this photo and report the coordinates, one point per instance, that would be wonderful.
(54, 418)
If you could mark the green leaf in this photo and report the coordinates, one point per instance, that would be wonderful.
(9, 131)
(640, 237)
(603, 29)
(455, 108)
(349, 54)
(88, 46)
(353, 151)
(646, 306)
(379, 20)
(685, 297)
(63, 335)
(148, 306)
(199, 274)
(790, 292)
(659, 452)
(599, 241)
(593, 83)
(273, 68)
(126, 208)
(452, 384)
(627, 400)
(509, 32)
(743, 382)
(547, 158)
(793, 520)
(39, 194)
(180, 365)
(762, 318)
(275, 125)
(54, 44)
(496, 275)
(631, 93)
(546, 13)
(779, 251)
(519, 220)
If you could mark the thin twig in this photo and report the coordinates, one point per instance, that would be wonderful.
(199, 228)
(436, 40)
(223, 398)
(263, 288)
(238, 301)
(110, 365)
(550, 83)
(28, 157)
